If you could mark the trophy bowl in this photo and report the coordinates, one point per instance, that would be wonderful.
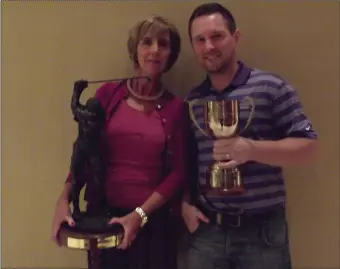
(221, 119)
(91, 232)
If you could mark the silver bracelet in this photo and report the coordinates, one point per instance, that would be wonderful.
(143, 216)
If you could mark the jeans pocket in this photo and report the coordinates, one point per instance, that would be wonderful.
(274, 230)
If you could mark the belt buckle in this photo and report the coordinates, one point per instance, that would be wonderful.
(219, 220)
(238, 216)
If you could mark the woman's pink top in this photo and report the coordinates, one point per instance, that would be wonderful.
(146, 153)
(136, 141)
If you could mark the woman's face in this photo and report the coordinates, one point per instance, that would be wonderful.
(153, 53)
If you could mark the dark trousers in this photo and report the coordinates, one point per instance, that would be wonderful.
(259, 242)
(153, 248)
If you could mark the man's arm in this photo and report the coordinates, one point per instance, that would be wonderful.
(299, 140)
(295, 143)
(285, 152)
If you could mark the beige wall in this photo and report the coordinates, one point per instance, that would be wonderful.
(46, 46)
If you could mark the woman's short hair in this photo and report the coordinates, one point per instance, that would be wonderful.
(157, 25)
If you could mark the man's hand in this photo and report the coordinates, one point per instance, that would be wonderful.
(233, 152)
(192, 217)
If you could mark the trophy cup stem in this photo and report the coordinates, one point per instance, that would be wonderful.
(224, 182)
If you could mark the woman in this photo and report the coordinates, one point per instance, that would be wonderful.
(145, 138)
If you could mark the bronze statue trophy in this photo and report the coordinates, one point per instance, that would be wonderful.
(222, 120)
(91, 231)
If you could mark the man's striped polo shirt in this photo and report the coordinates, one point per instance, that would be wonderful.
(278, 114)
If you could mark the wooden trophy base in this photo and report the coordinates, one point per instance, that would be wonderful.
(91, 232)
(223, 182)
(234, 191)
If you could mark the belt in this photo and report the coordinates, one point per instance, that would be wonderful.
(237, 220)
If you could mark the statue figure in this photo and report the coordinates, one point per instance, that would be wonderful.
(91, 120)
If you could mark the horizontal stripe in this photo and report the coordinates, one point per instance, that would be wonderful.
(247, 169)
(253, 182)
(264, 180)
(299, 120)
(251, 206)
(246, 175)
(247, 198)
(289, 112)
(257, 74)
(264, 203)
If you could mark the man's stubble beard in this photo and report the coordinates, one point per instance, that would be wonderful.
(223, 68)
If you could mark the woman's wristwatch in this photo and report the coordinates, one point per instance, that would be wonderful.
(143, 216)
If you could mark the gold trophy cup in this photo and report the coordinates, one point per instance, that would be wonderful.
(222, 120)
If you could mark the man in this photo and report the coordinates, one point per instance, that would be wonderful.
(247, 231)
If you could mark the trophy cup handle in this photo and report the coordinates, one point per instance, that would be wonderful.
(192, 116)
(251, 115)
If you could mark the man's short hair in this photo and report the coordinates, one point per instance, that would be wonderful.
(212, 8)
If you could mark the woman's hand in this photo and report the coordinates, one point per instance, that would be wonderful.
(131, 224)
(62, 213)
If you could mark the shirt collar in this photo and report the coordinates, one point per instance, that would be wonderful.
(240, 78)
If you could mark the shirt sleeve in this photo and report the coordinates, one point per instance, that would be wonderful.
(289, 117)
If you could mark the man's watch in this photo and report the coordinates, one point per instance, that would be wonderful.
(143, 216)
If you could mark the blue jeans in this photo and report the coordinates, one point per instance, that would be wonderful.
(256, 244)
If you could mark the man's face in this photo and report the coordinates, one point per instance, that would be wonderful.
(213, 43)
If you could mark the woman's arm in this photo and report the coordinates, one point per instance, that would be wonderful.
(64, 196)
(174, 181)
